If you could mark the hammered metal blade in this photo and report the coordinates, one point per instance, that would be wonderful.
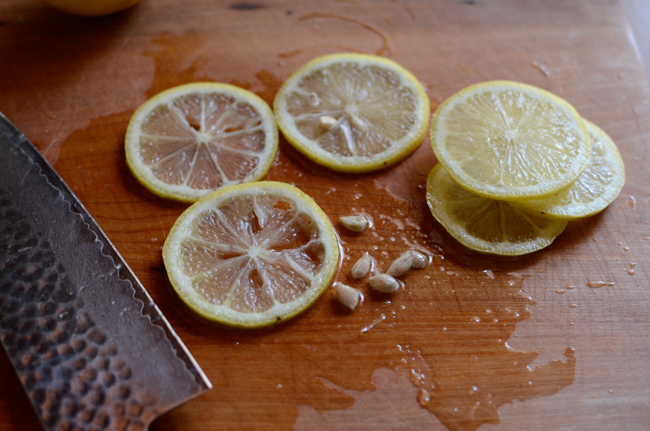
(90, 347)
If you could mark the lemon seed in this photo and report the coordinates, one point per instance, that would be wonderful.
(384, 283)
(362, 266)
(326, 122)
(401, 265)
(313, 100)
(358, 123)
(346, 295)
(354, 223)
(420, 260)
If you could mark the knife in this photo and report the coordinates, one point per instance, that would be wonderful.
(90, 347)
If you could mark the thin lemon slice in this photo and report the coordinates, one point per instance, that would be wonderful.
(251, 255)
(596, 187)
(192, 139)
(511, 141)
(353, 112)
(487, 225)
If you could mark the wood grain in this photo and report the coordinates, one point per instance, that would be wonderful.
(472, 341)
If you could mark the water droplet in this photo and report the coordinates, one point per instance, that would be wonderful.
(595, 284)
(541, 67)
(372, 325)
(423, 396)
(631, 200)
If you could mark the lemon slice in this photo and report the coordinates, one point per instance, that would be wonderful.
(353, 112)
(511, 141)
(597, 186)
(192, 139)
(487, 225)
(251, 255)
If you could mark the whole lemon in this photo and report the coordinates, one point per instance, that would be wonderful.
(91, 7)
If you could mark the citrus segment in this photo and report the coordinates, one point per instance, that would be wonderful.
(192, 139)
(597, 186)
(487, 225)
(511, 141)
(251, 255)
(353, 112)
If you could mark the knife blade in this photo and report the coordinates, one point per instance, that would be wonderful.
(89, 345)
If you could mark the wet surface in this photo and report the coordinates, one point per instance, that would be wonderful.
(443, 339)
(448, 329)
(432, 351)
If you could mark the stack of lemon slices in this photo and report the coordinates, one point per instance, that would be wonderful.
(516, 163)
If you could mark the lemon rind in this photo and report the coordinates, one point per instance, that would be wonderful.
(279, 312)
(183, 193)
(357, 164)
(531, 192)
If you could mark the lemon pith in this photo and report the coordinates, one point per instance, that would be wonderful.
(353, 112)
(510, 141)
(190, 140)
(486, 225)
(251, 255)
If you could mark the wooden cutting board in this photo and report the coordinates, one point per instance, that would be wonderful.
(559, 339)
